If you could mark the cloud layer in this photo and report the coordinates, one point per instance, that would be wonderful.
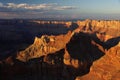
(24, 10)
(49, 6)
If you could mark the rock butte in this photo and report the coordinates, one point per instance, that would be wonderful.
(89, 52)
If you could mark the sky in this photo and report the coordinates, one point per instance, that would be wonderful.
(60, 9)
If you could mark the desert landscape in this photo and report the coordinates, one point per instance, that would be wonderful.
(78, 50)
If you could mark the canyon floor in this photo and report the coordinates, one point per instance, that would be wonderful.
(59, 50)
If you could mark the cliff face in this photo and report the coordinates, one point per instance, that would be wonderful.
(109, 27)
(107, 67)
(90, 51)
(44, 46)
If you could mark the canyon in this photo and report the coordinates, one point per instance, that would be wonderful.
(60, 50)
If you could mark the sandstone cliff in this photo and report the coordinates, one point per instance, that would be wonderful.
(110, 27)
(107, 67)
(44, 46)
(90, 51)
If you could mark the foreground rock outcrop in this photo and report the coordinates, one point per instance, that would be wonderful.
(107, 67)
(73, 59)
(90, 51)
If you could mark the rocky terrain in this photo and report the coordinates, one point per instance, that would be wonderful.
(86, 50)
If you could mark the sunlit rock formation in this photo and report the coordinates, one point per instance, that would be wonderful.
(67, 23)
(107, 67)
(44, 46)
(110, 27)
(90, 51)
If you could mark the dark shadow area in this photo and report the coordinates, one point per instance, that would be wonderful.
(112, 42)
(73, 26)
(107, 44)
(48, 67)
(17, 35)
(51, 66)
(80, 48)
(96, 39)
(80, 45)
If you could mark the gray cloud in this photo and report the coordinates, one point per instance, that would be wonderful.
(28, 6)
(12, 10)
(49, 6)
(65, 8)
(1, 4)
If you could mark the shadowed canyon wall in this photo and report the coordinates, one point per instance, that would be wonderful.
(83, 50)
